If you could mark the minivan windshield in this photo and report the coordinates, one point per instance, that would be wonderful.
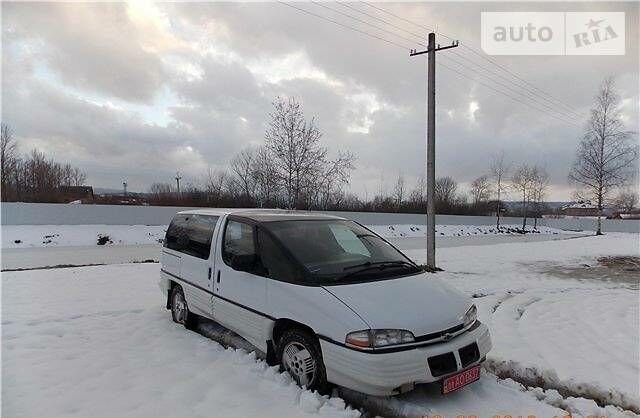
(338, 252)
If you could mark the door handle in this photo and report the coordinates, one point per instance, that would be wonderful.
(218, 277)
(209, 275)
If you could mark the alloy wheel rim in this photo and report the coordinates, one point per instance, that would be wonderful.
(179, 307)
(299, 362)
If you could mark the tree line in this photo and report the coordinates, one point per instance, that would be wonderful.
(32, 177)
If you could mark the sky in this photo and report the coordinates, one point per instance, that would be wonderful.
(137, 91)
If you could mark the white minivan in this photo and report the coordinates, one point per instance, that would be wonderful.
(324, 297)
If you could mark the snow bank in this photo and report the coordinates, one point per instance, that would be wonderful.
(21, 236)
(411, 231)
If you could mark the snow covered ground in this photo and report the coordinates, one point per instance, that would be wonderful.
(392, 231)
(96, 341)
(21, 236)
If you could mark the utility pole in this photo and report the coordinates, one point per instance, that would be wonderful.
(124, 185)
(431, 50)
(178, 178)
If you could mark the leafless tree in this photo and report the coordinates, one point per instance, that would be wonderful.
(417, 195)
(8, 160)
(523, 181)
(333, 176)
(242, 167)
(539, 185)
(265, 177)
(294, 143)
(215, 184)
(499, 174)
(480, 190)
(627, 200)
(398, 190)
(606, 157)
(445, 192)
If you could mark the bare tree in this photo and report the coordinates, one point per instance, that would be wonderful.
(499, 174)
(398, 190)
(265, 177)
(627, 200)
(480, 190)
(417, 195)
(539, 185)
(606, 155)
(242, 167)
(215, 184)
(445, 192)
(294, 143)
(522, 181)
(8, 159)
(333, 177)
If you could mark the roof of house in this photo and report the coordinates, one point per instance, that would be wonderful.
(264, 215)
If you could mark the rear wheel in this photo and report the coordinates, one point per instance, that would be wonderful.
(299, 354)
(180, 310)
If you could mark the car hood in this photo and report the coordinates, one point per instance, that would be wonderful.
(422, 304)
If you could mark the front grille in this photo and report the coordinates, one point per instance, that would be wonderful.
(439, 334)
(469, 354)
(442, 364)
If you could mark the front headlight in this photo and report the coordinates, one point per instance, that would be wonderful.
(471, 316)
(372, 338)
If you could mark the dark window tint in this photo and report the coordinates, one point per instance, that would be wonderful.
(191, 234)
(275, 262)
(177, 237)
(238, 241)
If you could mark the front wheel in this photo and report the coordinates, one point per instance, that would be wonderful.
(180, 310)
(299, 354)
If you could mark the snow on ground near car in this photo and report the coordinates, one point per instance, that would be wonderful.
(96, 341)
(21, 236)
(393, 231)
(580, 335)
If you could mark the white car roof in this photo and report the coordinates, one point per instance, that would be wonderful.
(263, 215)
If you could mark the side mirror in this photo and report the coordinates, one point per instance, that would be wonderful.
(243, 262)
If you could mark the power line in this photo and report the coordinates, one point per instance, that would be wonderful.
(405, 48)
(481, 55)
(537, 101)
(364, 22)
(346, 26)
(509, 96)
(525, 94)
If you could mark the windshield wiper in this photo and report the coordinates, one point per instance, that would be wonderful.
(380, 264)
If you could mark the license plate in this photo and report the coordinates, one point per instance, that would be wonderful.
(461, 379)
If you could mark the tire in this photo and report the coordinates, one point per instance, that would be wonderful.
(298, 353)
(180, 310)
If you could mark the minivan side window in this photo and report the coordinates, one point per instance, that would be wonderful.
(191, 234)
(275, 263)
(200, 229)
(238, 241)
(177, 237)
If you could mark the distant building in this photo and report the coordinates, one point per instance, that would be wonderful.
(581, 208)
(73, 193)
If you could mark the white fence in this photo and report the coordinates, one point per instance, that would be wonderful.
(62, 214)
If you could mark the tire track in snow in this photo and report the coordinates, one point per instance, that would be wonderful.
(533, 377)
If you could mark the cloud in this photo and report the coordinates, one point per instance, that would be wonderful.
(142, 90)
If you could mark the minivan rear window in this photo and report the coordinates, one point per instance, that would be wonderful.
(191, 234)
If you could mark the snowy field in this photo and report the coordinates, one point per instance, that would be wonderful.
(22, 236)
(96, 341)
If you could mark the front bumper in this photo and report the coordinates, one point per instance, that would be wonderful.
(385, 373)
